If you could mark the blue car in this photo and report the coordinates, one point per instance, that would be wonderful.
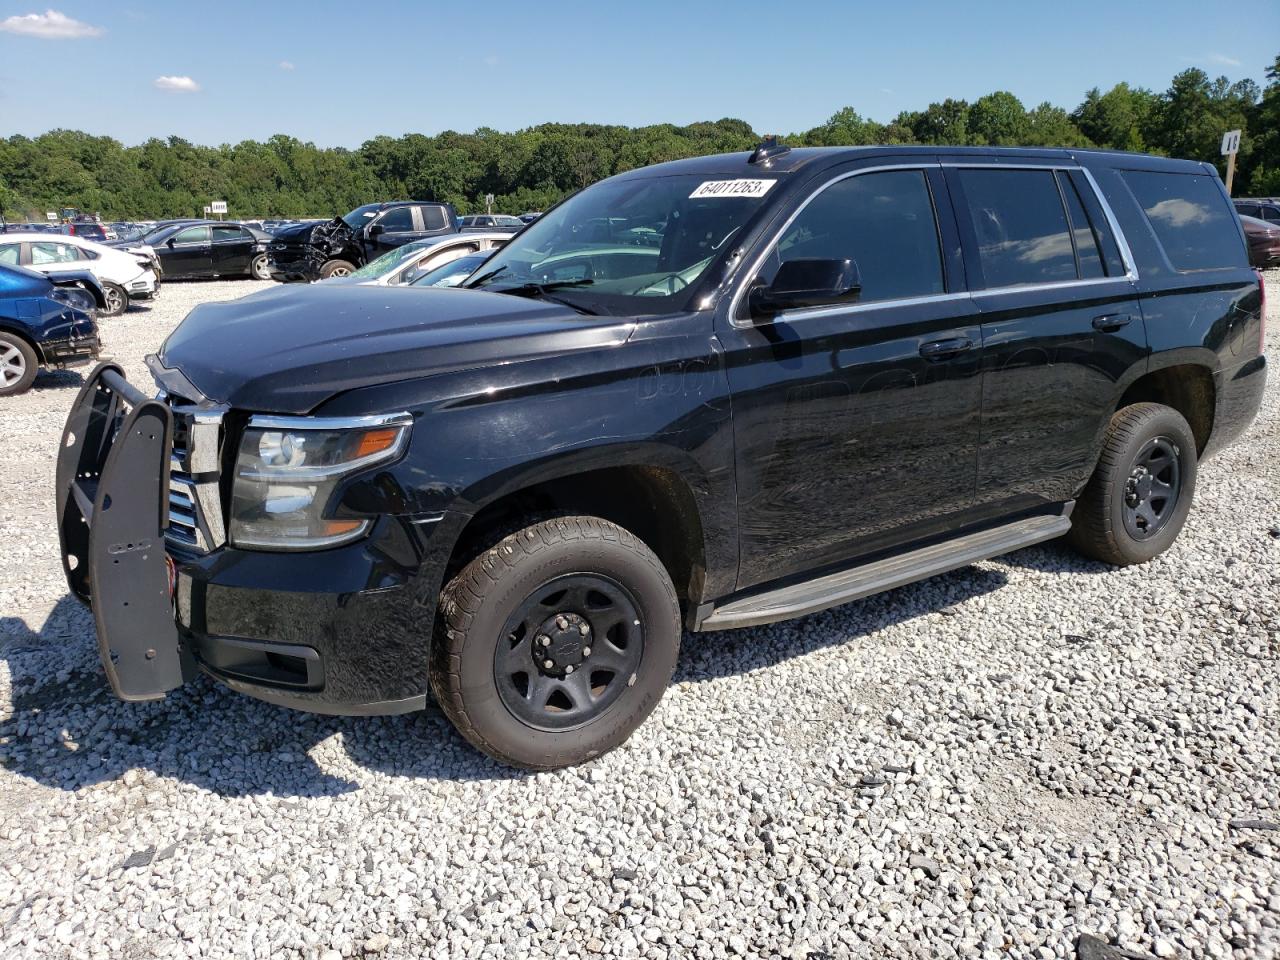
(42, 325)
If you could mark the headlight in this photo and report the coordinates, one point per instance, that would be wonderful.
(287, 471)
(74, 297)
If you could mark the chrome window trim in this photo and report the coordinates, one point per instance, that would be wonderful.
(1126, 255)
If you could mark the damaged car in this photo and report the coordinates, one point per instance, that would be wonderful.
(339, 247)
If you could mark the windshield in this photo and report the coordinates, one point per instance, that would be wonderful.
(629, 246)
(360, 216)
(389, 261)
(453, 273)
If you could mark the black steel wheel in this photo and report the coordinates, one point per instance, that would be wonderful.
(1139, 496)
(1152, 488)
(569, 652)
(552, 646)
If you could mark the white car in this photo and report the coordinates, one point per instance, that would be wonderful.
(406, 264)
(123, 275)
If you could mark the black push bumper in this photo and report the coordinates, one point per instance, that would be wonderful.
(112, 493)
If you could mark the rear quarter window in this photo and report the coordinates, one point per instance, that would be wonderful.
(1190, 217)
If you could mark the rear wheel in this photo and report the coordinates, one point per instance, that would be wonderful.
(556, 644)
(260, 269)
(1140, 494)
(336, 268)
(18, 365)
(117, 300)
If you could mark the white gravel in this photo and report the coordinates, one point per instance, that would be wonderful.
(990, 763)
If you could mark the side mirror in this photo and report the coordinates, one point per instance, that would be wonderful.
(806, 283)
(170, 242)
(374, 230)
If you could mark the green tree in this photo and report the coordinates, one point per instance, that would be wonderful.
(999, 119)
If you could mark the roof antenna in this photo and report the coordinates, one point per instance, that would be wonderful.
(768, 149)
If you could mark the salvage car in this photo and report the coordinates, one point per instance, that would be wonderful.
(837, 371)
(310, 251)
(123, 276)
(205, 250)
(408, 264)
(42, 325)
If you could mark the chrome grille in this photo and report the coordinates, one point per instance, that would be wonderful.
(195, 503)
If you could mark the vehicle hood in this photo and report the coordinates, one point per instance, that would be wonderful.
(314, 233)
(290, 348)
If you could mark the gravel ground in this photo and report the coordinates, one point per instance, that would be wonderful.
(990, 763)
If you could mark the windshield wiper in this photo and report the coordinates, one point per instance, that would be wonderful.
(485, 277)
(542, 292)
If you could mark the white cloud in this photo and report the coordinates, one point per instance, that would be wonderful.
(50, 25)
(1223, 59)
(177, 84)
(286, 64)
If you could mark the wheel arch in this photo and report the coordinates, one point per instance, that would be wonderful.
(657, 499)
(25, 336)
(1184, 384)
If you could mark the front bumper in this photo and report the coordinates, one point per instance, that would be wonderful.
(293, 265)
(343, 631)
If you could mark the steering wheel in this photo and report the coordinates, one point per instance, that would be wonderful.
(674, 284)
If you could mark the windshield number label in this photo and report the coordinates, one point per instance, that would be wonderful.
(732, 188)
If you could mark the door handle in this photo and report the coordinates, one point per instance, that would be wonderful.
(945, 349)
(1111, 322)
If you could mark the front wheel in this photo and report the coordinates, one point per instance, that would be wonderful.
(260, 269)
(117, 300)
(556, 644)
(1139, 496)
(336, 268)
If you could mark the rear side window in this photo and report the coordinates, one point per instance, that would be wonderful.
(9, 254)
(884, 222)
(1082, 234)
(1021, 227)
(1190, 217)
(433, 218)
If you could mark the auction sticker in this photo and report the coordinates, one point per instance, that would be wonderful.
(732, 188)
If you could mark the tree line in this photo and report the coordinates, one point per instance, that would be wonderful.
(531, 169)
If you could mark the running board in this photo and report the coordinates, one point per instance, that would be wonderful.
(896, 571)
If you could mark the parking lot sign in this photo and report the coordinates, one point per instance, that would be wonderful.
(51, 215)
(218, 206)
(1230, 146)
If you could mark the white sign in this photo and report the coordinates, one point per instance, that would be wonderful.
(218, 206)
(50, 215)
(207, 210)
(732, 188)
(1230, 142)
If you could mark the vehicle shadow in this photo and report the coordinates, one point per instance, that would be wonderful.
(710, 656)
(1056, 556)
(57, 380)
(65, 729)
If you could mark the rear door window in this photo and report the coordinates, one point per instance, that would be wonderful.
(1020, 226)
(228, 234)
(433, 218)
(9, 254)
(884, 222)
(1086, 241)
(1190, 217)
(43, 252)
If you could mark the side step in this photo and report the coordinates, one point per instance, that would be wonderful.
(855, 583)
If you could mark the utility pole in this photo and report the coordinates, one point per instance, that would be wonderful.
(1230, 147)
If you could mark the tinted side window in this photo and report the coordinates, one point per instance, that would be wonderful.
(1021, 226)
(1247, 209)
(227, 234)
(1270, 213)
(192, 235)
(397, 220)
(433, 218)
(882, 221)
(1190, 217)
(1087, 258)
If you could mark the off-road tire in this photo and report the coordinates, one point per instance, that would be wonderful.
(117, 300)
(336, 268)
(30, 362)
(477, 603)
(1097, 523)
(260, 268)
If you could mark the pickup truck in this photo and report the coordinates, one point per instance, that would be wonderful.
(713, 393)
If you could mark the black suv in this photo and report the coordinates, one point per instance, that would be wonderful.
(823, 373)
(317, 251)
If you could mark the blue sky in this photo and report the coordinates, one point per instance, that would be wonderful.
(339, 73)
